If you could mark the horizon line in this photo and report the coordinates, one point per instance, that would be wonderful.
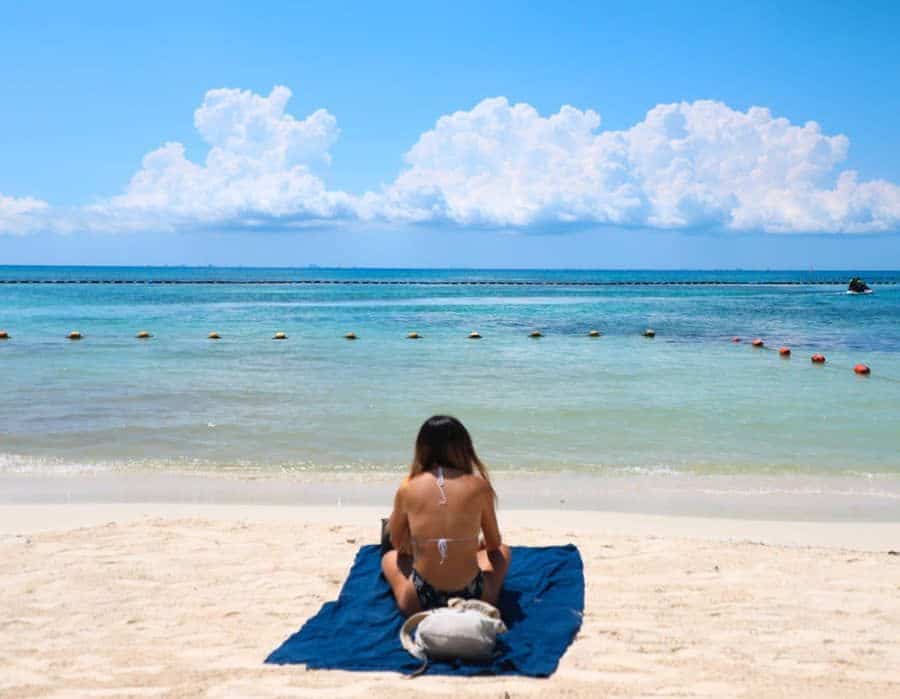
(460, 269)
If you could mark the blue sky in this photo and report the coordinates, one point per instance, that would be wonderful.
(91, 89)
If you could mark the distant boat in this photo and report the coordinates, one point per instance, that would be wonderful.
(858, 286)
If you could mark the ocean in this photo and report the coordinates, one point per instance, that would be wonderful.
(688, 400)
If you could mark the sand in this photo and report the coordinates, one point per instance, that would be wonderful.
(187, 600)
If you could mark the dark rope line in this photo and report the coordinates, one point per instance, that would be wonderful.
(403, 282)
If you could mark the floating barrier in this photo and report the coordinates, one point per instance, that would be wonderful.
(784, 351)
(819, 358)
(457, 282)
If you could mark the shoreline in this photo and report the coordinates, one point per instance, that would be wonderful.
(785, 498)
(557, 525)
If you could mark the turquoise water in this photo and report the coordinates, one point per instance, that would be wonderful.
(688, 400)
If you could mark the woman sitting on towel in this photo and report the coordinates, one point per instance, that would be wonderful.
(439, 511)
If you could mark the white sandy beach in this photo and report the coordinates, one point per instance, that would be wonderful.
(187, 600)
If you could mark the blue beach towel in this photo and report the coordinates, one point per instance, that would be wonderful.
(542, 604)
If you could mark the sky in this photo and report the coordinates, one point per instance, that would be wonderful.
(658, 135)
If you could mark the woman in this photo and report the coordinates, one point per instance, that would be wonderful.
(439, 510)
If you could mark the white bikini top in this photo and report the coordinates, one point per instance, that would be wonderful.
(442, 544)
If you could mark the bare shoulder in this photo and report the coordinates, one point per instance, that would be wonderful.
(412, 487)
(402, 490)
(479, 485)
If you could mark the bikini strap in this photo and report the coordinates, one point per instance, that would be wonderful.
(440, 485)
(443, 545)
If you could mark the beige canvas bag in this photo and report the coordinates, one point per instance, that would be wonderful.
(464, 630)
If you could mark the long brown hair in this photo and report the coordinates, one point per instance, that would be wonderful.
(444, 441)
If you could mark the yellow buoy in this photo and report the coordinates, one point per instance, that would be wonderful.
(143, 335)
(279, 336)
(594, 333)
(350, 336)
(214, 335)
(4, 335)
(74, 335)
(474, 335)
(535, 334)
(649, 332)
(413, 336)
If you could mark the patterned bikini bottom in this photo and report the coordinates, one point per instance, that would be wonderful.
(429, 597)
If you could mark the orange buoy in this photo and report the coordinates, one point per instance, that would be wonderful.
(143, 335)
(757, 343)
(214, 336)
(4, 335)
(817, 359)
(535, 334)
(735, 339)
(594, 333)
(350, 336)
(413, 336)
(785, 352)
(474, 335)
(74, 335)
(862, 370)
(280, 335)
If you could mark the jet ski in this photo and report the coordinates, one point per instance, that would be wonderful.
(858, 286)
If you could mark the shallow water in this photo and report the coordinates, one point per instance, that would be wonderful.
(688, 400)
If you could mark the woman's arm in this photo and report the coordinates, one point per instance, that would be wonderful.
(489, 526)
(398, 525)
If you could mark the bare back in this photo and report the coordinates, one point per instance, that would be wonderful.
(424, 514)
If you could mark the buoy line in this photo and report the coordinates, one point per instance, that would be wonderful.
(785, 352)
(821, 360)
(449, 282)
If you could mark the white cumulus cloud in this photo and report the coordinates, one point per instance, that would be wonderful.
(19, 215)
(697, 165)
(685, 165)
(261, 169)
